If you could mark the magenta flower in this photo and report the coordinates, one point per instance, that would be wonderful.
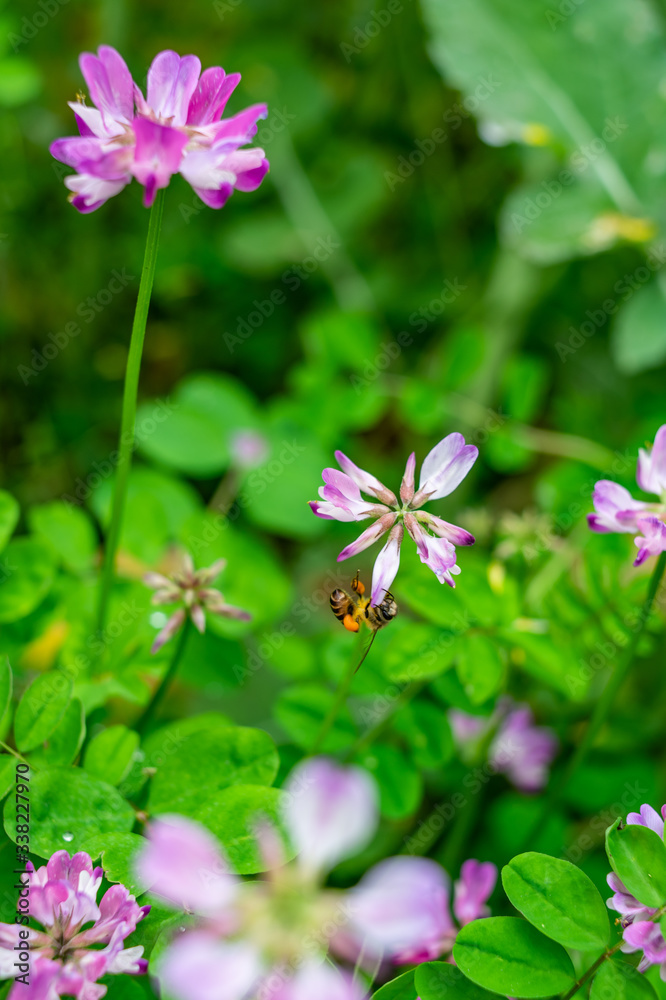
(639, 932)
(401, 907)
(177, 129)
(63, 958)
(443, 470)
(269, 937)
(190, 588)
(519, 749)
(615, 510)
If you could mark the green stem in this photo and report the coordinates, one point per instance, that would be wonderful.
(16, 754)
(126, 442)
(604, 957)
(343, 691)
(603, 706)
(368, 738)
(154, 703)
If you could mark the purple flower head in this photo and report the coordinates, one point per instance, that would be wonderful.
(190, 589)
(177, 129)
(639, 932)
(519, 749)
(65, 958)
(269, 936)
(400, 909)
(615, 510)
(442, 471)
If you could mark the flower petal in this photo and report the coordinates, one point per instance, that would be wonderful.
(330, 811)
(652, 538)
(407, 484)
(211, 95)
(369, 536)
(172, 81)
(198, 966)
(444, 468)
(614, 508)
(651, 469)
(387, 564)
(452, 533)
(365, 480)
(157, 155)
(317, 981)
(169, 630)
(471, 891)
(401, 908)
(647, 816)
(182, 861)
(110, 84)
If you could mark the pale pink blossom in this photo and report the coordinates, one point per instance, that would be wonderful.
(443, 469)
(190, 589)
(245, 941)
(81, 940)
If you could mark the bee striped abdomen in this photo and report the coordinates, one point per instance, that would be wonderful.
(341, 604)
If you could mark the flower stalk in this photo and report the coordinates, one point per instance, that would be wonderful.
(341, 697)
(128, 419)
(156, 700)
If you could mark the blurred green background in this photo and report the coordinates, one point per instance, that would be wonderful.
(464, 225)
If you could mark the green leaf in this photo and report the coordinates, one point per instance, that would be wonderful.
(110, 753)
(435, 980)
(301, 710)
(125, 987)
(27, 569)
(9, 515)
(209, 761)
(400, 783)
(69, 530)
(480, 667)
(638, 857)
(117, 852)
(64, 743)
(415, 652)
(638, 337)
(7, 773)
(507, 955)
(522, 73)
(68, 810)
(233, 816)
(41, 708)
(6, 685)
(621, 981)
(559, 899)
(194, 437)
(19, 81)
(428, 733)
(400, 988)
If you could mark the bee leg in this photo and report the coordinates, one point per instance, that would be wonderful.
(350, 623)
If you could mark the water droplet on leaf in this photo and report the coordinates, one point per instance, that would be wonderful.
(68, 836)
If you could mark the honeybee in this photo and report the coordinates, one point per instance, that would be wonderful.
(352, 609)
